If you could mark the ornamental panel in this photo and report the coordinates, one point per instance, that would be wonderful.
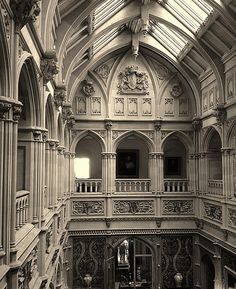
(213, 212)
(81, 208)
(173, 207)
(232, 217)
(133, 207)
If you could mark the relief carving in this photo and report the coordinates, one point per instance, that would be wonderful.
(183, 106)
(177, 207)
(25, 11)
(49, 65)
(232, 217)
(60, 95)
(147, 106)
(87, 208)
(81, 105)
(96, 105)
(169, 106)
(103, 71)
(133, 207)
(119, 106)
(131, 81)
(230, 86)
(220, 114)
(4, 108)
(88, 88)
(213, 212)
(176, 89)
(211, 98)
(133, 106)
(7, 22)
(162, 71)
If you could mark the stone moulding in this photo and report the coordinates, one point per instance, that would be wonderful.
(87, 208)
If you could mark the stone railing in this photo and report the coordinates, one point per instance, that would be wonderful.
(215, 187)
(88, 185)
(22, 208)
(135, 185)
(176, 185)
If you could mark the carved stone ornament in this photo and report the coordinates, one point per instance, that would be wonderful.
(17, 109)
(49, 65)
(4, 108)
(108, 124)
(88, 208)
(37, 135)
(88, 88)
(177, 207)
(131, 81)
(157, 124)
(103, 71)
(213, 212)
(7, 22)
(232, 217)
(24, 11)
(70, 122)
(197, 123)
(220, 114)
(66, 111)
(60, 95)
(133, 207)
(176, 89)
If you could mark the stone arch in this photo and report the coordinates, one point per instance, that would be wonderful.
(207, 137)
(88, 133)
(29, 92)
(231, 135)
(183, 137)
(138, 134)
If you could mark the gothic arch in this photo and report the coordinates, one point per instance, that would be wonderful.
(138, 134)
(231, 135)
(207, 137)
(182, 137)
(88, 133)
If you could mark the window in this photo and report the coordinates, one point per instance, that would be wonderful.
(82, 168)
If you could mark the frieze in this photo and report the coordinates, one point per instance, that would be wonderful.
(133, 207)
(80, 208)
(213, 212)
(232, 217)
(131, 81)
(177, 207)
(103, 71)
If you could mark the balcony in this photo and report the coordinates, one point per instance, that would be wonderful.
(88, 185)
(215, 187)
(133, 185)
(176, 185)
(22, 208)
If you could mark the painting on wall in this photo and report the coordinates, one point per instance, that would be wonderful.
(173, 166)
(127, 165)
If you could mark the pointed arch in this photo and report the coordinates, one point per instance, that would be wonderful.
(182, 137)
(207, 137)
(138, 134)
(88, 133)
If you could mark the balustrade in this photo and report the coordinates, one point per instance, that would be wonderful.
(137, 185)
(22, 208)
(88, 185)
(215, 187)
(176, 185)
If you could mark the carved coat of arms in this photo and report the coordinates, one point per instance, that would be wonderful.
(131, 81)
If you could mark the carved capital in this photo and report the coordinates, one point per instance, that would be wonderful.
(37, 135)
(158, 124)
(49, 65)
(17, 109)
(66, 111)
(60, 95)
(44, 136)
(220, 114)
(71, 122)
(197, 123)
(60, 150)
(108, 124)
(24, 11)
(4, 108)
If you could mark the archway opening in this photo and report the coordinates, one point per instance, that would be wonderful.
(207, 273)
(214, 157)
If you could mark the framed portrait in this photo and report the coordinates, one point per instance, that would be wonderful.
(173, 166)
(127, 164)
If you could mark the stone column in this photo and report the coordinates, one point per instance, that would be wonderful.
(192, 172)
(203, 173)
(227, 172)
(152, 164)
(105, 173)
(218, 267)
(61, 171)
(160, 173)
(196, 262)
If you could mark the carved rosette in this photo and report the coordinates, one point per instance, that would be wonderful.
(87, 208)
(173, 207)
(49, 65)
(4, 109)
(25, 11)
(176, 89)
(60, 95)
(88, 88)
(133, 207)
(213, 212)
(131, 81)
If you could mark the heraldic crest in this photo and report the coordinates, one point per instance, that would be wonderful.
(131, 81)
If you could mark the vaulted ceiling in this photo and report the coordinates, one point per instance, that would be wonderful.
(194, 35)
